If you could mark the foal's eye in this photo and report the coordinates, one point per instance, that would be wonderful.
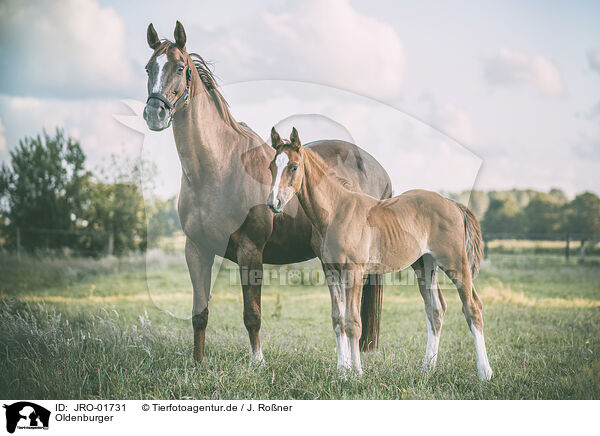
(293, 168)
(147, 70)
(180, 69)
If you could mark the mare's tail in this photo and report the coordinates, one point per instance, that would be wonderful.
(370, 311)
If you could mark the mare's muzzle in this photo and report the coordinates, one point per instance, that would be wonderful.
(158, 112)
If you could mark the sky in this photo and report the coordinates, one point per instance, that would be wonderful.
(446, 95)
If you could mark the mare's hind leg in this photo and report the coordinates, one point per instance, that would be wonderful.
(249, 259)
(473, 311)
(435, 306)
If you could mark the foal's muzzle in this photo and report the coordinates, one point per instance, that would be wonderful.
(275, 204)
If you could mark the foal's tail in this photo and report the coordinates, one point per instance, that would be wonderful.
(474, 241)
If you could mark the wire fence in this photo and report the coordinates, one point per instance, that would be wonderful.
(569, 244)
(81, 248)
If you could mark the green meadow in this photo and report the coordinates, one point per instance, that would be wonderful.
(113, 328)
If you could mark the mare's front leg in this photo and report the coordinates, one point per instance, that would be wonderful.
(353, 281)
(251, 273)
(199, 265)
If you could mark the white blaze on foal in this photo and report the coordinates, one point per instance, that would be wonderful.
(281, 162)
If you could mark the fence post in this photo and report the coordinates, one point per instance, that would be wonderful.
(111, 243)
(568, 248)
(582, 251)
(18, 243)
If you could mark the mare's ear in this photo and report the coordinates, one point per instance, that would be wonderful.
(275, 139)
(180, 37)
(152, 37)
(295, 139)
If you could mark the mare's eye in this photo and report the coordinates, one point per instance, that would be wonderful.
(293, 167)
(147, 70)
(180, 69)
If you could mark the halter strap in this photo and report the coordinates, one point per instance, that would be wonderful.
(185, 96)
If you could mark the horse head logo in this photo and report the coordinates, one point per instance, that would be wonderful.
(26, 415)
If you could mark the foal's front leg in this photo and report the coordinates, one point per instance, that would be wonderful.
(353, 280)
(338, 309)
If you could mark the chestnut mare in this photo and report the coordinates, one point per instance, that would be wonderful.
(225, 182)
(356, 234)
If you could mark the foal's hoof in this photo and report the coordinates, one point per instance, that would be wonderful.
(429, 363)
(257, 361)
(428, 366)
(345, 371)
(485, 372)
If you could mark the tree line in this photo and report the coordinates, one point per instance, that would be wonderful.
(48, 199)
(530, 211)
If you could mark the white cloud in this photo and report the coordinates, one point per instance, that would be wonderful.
(64, 49)
(515, 67)
(450, 120)
(90, 121)
(328, 43)
(594, 58)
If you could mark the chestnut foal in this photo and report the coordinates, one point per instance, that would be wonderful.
(355, 234)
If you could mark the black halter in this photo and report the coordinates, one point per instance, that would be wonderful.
(183, 97)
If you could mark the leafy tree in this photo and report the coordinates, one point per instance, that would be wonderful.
(559, 196)
(163, 219)
(118, 209)
(504, 216)
(44, 187)
(116, 204)
(544, 214)
(583, 214)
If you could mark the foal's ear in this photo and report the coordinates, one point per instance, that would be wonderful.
(180, 37)
(295, 139)
(152, 37)
(275, 139)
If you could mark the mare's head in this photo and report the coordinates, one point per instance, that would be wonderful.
(287, 170)
(169, 75)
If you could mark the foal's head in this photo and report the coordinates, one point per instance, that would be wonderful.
(287, 170)
(169, 75)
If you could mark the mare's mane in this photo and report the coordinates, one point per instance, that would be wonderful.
(209, 81)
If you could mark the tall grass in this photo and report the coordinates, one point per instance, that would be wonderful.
(93, 330)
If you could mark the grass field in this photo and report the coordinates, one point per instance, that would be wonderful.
(108, 329)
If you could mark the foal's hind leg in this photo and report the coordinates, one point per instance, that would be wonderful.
(473, 311)
(435, 306)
